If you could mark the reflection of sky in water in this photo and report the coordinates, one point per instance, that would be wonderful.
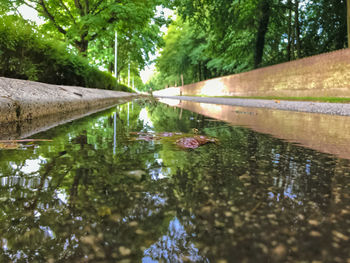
(308, 167)
(173, 247)
(152, 204)
(48, 232)
(147, 123)
(159, 172)
(275, 157)
(288, 181)
(170, 102)
(31, 168)
(62, 195)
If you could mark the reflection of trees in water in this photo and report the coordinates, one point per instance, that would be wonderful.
(238, 199)
(175, 246)
(255, 202)
(251, 192)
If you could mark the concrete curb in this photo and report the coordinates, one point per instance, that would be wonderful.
(22, 100)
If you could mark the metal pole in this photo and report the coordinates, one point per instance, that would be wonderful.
(116, 56)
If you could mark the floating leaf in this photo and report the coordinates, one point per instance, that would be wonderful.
(188, 143)
(184, 141)
(194, 142)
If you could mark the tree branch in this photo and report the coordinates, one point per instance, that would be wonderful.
(50, 16)
(87, 7)
(68, 11)
(109, 21)
(78, 5)
(96, 6)
(31, 6)
(94, 10)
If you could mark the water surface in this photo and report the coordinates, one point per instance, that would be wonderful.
(94, 194)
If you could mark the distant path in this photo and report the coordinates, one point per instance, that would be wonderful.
(302, 106)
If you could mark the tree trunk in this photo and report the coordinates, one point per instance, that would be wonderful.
(348, 19)
(82, 47)
(262, 30)
(289, 57)
(297, 29)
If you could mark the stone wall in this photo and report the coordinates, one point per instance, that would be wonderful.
(325, 75)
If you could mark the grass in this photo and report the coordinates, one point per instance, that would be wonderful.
(314, 99)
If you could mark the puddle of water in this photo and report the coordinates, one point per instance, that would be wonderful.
(94, 195)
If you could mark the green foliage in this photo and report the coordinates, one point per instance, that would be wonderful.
(212, 38)
(182, 54)
(25, 54)
(89, 26)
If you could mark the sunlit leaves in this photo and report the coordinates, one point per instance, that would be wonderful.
(232, 41)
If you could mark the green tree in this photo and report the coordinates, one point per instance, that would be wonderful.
(220, 37)
(81, 22)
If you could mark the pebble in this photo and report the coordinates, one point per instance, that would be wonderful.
(315, 234)
(279, 252)
(313, 222)
(228, 214)
(124, 251)
(133, 224)
(340, 235)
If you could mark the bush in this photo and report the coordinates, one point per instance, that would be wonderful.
(24, 54)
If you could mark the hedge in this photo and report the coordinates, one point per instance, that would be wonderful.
(25, 54)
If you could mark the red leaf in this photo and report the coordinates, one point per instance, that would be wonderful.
(188, 143)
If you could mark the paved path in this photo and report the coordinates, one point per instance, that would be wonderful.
(303, 106)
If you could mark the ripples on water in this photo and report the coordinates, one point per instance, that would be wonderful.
(94, 195)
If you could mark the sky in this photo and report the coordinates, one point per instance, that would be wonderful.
(147, 73)
(31, 14)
